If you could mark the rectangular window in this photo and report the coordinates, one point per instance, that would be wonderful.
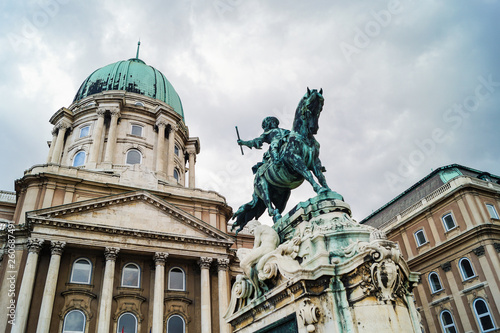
(492, 211)
(136, 130)
(420, 237)
(84, 131)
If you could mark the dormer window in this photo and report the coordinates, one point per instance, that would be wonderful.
(139, 104)
(136, 130)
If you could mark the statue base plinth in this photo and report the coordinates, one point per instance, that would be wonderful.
(329, 274)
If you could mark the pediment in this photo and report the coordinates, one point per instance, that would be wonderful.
(139, 212)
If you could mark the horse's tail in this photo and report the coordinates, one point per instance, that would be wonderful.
(248, 212)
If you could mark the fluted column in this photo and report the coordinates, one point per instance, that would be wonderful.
(222, 267)
(110, 147)
(171, 152)
(160, 148)
(192, 161)
(107, 290)
(97, 137)
(26, 290)
(159, 291)
(49, 292)
(56, 153)
(52, 144)
(206, 311)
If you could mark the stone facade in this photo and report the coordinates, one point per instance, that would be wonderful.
(448, 229)
(111, 231)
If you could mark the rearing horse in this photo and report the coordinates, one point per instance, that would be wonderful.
(298, 160)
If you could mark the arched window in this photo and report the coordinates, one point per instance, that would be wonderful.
(127, 323)
(81, 271)
(176, 279)
(134, 157)
(483, 315)
(449, 222)
(420, 237)
(466, 269)
(79, 159)
(74, 322)
(139, 103)
(131, 275)
(176, 324)
(176, 175)
(447, 322)
(434, 282)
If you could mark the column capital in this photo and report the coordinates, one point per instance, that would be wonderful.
(63, 125)
(191, 151)
(100, 112)
(111, 253)
(35, 245)
(222, 264)
(161, 123)
(54, 131)
(57, 247)
(160, 258)
(115, 112)
(205, 262)
(173, 127)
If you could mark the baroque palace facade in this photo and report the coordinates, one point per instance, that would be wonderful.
(448, 228)
(111, 233)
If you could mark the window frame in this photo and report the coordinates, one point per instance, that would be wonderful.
(431, 284)
(138, 279)
(183, 279)
(118, 330)
(488, 313)
(462, 270)
(183, 322)
(84, 158)
(417, 240)
(132, 126)
(445, 224)
(492, 211)
(133, 150)
(178, 177)
(444, 326)
(73, 268)
(66, 317)
(81, 131)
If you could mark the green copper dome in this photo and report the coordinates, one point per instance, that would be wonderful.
(134, 76)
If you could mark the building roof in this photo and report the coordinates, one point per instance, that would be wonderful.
(422, 188)
(132, 75)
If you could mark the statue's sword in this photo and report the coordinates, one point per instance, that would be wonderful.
(238, 134)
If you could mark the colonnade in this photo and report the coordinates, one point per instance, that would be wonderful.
(106, 297)
(164, 164)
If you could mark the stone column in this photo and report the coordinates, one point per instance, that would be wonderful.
(49, 292)
(159, 291)
(107, 290)
(110, 147)
(160, 148)
(206, 312)
(192, 161)
(222, 267)
(171, 152)
(56, 153)
(26, 290)
(95, 150)
(52, 144)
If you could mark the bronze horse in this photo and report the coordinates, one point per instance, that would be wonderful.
(298, 160)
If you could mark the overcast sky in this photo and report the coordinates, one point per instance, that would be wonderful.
(409, 86)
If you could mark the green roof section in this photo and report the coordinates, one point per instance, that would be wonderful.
(134, 76)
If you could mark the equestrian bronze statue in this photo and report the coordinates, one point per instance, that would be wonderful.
(292, 157)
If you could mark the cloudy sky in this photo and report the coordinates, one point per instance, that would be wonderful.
(409, 86)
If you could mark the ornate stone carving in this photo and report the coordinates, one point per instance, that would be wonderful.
(111, 253)
(308, 314)
(479, 251)
(115, 112)
(160, 258)
(446, 266)
(100, 112)
(57, 247)
(222, 264)
(205, 262)
(35, 245)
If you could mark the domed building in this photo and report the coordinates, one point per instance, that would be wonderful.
(111, 233)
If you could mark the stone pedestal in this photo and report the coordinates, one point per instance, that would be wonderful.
(329, 274)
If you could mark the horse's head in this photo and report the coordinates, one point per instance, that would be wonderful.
(308, 111)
